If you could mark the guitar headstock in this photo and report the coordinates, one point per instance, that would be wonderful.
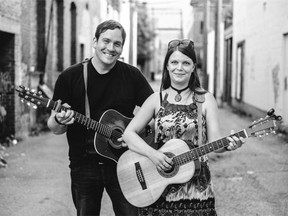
(264, 126)
(31, 96)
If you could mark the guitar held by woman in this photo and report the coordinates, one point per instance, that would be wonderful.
(186, 112)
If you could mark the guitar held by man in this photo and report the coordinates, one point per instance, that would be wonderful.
(108, 130)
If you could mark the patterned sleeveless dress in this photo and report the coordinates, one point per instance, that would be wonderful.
(196, 197)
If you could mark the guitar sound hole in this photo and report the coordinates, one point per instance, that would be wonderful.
(113, 140)
(171, 172)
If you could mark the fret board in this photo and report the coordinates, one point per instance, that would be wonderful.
(196, 153)
(87, 122)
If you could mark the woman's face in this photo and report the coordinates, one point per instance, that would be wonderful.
(180, 68)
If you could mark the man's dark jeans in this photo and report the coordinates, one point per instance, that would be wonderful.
(88, 183)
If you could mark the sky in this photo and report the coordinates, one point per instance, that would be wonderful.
(171, 13)
(167, 3)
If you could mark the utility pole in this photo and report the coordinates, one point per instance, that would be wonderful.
(205, 44)
(217, 57)
(181, 24)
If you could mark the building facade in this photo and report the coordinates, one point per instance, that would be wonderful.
(260, 56)
(39, 39)
(11, 60)
(253, 54)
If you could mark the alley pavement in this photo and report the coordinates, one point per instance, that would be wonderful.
(250, 181)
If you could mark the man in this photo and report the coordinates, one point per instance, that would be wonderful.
(111, 84)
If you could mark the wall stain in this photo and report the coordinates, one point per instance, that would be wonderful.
(276, 82)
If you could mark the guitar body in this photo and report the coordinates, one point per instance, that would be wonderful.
(140, 181)
(108, 146)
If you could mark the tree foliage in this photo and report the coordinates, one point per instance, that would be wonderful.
(145, 36)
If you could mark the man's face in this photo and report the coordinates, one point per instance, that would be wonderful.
(109, 46)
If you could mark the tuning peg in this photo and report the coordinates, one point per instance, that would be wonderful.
(22, 100)
(260, 134)
(270, 112)
(260, 120)
(34, 107)
(28, 103)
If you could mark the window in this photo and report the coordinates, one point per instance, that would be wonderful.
(239, 71)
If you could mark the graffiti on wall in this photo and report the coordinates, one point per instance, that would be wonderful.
(5, 86)
(276, 82)
(6, 83)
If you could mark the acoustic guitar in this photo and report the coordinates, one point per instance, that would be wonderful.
(142, 183)
(109, 128)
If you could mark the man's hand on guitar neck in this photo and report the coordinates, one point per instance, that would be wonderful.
(64, 117)
(58, 121)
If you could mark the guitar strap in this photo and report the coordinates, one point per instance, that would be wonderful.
(89, 140)
(85, 75)
(199, 101)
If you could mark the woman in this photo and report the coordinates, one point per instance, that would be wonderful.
(177, 117)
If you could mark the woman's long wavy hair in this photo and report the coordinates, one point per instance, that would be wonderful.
(194, 82)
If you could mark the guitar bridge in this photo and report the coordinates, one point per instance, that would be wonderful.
(140, 176)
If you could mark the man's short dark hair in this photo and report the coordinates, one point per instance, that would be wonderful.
(109, 25)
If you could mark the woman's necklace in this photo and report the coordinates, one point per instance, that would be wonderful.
(178, 96)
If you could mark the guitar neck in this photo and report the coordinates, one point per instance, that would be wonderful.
(196, 153)
(83, 120)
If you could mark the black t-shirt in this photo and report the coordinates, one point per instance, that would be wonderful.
(121, 89)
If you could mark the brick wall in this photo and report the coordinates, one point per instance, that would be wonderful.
(9, 59)
(39, 40)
